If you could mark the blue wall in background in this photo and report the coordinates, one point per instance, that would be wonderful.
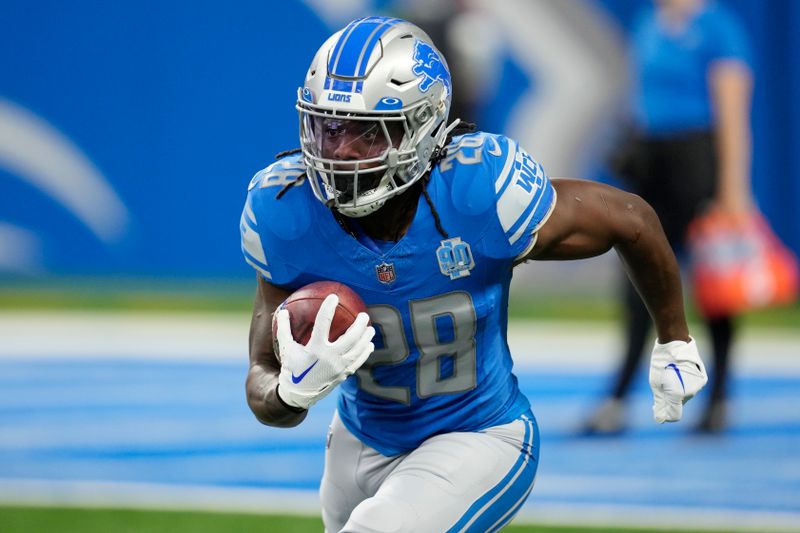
(177, 104)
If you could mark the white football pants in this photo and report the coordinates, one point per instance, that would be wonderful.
(455, 482)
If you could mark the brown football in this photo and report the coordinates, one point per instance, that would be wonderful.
(304, 303)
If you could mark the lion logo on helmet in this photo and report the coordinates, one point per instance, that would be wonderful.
(430, 66)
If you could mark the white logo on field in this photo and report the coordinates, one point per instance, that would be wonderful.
(40, 155)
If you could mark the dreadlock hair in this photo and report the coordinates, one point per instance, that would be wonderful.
(460, 128)
(288, 152)
(295, 181)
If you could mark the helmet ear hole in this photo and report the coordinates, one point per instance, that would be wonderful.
(423, 114)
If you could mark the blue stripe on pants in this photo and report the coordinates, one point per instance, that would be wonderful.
(511, 514)
(509, 492)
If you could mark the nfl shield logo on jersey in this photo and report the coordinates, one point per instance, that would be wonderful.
(385, 272)
(455, 258)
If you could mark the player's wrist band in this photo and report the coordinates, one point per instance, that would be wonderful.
(291, 408)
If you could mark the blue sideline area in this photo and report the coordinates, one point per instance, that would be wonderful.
(187, 424)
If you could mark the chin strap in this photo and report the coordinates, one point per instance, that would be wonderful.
(453, 125)
(444, 139)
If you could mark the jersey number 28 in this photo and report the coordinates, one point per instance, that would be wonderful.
(455, 307)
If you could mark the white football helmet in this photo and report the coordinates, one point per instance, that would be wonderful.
(382, 84)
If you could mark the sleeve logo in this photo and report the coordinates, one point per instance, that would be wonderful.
(455, 258)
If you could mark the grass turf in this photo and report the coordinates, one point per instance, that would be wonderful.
(23, 519)
(238, 297)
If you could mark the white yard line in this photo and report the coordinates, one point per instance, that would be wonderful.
(110, 335)
(157, 496)
(666, 518)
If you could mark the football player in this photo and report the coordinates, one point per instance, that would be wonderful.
(425, 219)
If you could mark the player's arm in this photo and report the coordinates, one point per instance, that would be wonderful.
(589, 219)
(282, 387)
(262, 378)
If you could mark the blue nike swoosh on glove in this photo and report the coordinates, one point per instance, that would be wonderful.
(671, 365)
(298, 379)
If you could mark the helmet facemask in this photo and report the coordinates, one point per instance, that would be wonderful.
(358, 161)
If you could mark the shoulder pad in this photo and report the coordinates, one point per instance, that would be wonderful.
(279, 173)
(287, 217)
(474, 160)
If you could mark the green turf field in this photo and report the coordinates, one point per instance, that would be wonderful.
(237, 296)
(69, 520)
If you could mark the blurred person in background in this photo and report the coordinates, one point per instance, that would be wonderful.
(690, 151)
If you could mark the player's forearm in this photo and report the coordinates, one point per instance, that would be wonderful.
(651, 265)
(264, 402)
(591, 218)
(262, 379)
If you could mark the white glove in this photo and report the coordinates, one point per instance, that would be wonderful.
(309, 373)
(676, 375)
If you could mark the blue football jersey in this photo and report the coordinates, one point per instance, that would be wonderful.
(439, 305)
